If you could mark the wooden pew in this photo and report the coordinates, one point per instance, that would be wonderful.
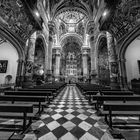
(123, 98)
(116, 92)
(90, 87)
(19, 111)
(30, 93)
(120, 108)
(53, 91)
(89, 94)
(55, 86)
(31, 99)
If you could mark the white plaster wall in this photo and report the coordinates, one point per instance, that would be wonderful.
(132, 55)
(9, 52)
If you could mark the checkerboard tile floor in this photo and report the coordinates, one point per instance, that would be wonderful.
(69, 117)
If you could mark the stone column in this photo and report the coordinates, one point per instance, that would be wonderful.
(46, 34)
(86, 41)
(19, 76)
(57, 63)
(49, 61)
(93, 61)
(29, 61)
(50, 54)
(113, 65)
(51, 32)
(123, 76)
(85, 63)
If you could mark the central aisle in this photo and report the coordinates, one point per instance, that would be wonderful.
(69, 117)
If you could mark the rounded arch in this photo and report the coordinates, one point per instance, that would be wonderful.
(102, 60)
(74, 37)
(9, 37)
(135, 33)
(100, 36)
(39, 57)
(59, 11)
(121, 56)
(19, 46)
(42, 37)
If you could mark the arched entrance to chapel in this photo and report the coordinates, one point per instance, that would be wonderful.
(129, 56)
(11, 51)
(103, 63)
(39, 60)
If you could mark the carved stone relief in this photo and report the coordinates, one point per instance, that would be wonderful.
(13, 16)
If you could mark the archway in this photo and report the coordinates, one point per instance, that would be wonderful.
(125, 83)
(71, 59)
(8, 62)
(103, 64)
(39, 61)
(132, 57)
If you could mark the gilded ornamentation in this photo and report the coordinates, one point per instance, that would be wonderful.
(81, 29)
(90, 27)
(13, 16)
(52, 28)
(125, 19)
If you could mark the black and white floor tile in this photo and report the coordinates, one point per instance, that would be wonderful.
(69, 117)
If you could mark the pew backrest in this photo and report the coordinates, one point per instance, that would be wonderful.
(117, 92)
(115, 106)
(16, 108)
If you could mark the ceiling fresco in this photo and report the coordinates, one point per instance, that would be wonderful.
(70, 17)
(88, 7)
(17, 16)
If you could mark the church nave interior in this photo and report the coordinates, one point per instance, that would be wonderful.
(69, 69)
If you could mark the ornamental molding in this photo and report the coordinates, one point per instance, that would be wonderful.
(14, 18)
(125, 19)
(73, 36)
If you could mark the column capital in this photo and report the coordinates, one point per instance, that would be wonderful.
(57, 50)
(33, 36)
(93, 72)
(52, 28)
(57, 47)
(85, 50)
(90, 27)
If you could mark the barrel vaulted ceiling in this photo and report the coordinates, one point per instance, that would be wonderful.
(88, 7)
(17, 16)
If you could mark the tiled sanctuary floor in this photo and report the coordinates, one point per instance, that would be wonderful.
(69, 117)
